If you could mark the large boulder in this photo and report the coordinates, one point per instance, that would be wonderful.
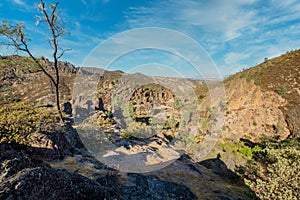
(21, 178)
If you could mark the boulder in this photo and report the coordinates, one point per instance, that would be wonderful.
(21, 178)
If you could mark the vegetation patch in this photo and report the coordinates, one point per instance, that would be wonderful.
(126, 135)
(17, 122)
(275, 172)
(201, 96)
(18, 65)
(281, 90)
(239, 147)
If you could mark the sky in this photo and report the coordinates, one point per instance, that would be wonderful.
(230, 34)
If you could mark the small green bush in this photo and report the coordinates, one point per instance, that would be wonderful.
(243, 75)
(239, 147)
(281, 90)
(201, 96)
(17, 122)
(249, 152)
(126, 135)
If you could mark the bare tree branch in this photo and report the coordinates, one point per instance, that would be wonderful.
(63, 52)
(17, 39)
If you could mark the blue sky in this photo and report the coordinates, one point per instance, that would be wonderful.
(235, 34)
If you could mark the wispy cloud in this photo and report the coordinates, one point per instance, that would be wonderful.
(226, 18)
(234, 57)
(23, 6)
(19, 2)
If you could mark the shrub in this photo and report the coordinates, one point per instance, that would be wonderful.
(249, 152)
(201, 96)
(281, 90)
(171, 123)
(243, 75)
(126, 135)
(17, 122)
(239, 147)
(177, 104)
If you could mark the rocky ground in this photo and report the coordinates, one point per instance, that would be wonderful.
(65, 170)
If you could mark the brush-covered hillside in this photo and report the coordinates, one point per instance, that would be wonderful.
(280, 75)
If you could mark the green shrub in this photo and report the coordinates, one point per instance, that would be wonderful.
(201, 96)
(243, 75)
(17, 122)
(239, 147)
(171, 124)
(249, 152)
(126, 135)
(281, 90)
(131, 110)
(177, 104)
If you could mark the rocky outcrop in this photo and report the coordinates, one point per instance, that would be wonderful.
(105, 89)
(210, 179)
(253, 114)
(24, 178)
(55, 145)
(21, 178)
(150, 187)
(146, 99)
(292, 119)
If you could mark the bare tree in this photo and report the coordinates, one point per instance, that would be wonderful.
(15, 37)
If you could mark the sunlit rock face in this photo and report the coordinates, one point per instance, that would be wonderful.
(254, 114)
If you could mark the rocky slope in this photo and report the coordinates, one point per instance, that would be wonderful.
(46, 171)
(253, 114)
(21, 80)
(282, 76)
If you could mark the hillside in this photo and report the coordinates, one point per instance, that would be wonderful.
(21, 80)
(280, 75)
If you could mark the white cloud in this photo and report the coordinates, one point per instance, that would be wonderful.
(23, 5)
(19, 2)
(234, 58)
